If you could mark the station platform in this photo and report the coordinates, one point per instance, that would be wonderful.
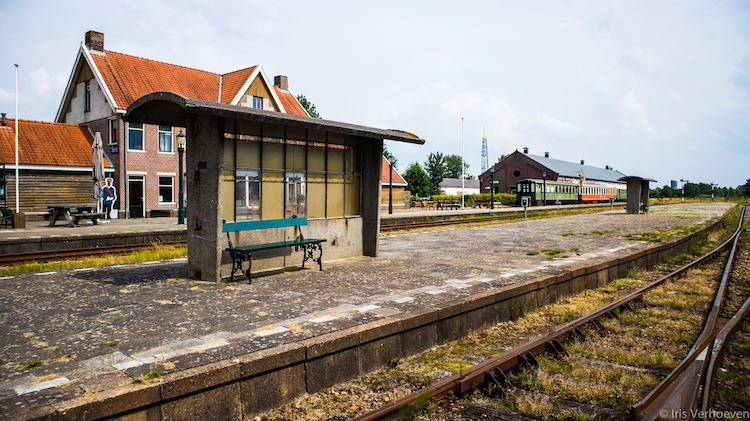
(75, 344)
(38, 236)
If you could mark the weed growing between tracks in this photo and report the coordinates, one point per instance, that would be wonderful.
(158, 252)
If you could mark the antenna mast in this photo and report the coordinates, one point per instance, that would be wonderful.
(485, 154)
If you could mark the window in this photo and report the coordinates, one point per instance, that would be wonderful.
(112, 132)
(258, 102)
(296, 195)
(247, 195)
(165, 138)
(87, 96)
(166, 189)
(135, 136)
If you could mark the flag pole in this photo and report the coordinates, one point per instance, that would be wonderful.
(463, 171)
(18, 207)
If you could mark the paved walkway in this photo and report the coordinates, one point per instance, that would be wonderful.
(98, 328)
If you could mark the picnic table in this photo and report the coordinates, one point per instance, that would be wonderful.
(449, 204)
(72, 213)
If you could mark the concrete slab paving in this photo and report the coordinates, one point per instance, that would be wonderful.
(117, 323)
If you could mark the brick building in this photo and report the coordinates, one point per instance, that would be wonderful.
(104, 83)
(520, 166)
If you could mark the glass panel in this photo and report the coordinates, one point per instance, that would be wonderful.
(247, 195)
(273, 195)
(296, 195)
(166, 190)
(227, 209)
(135, 136)
(352, 157)
(229, 153)
(273, 156)
(316, 195)
(273, 130)
(248, 154)
(316, 136)
(317, 157)
(335, 159)
(296, 155)
(165, 141)
(352, 195)
(248, 127)
(335, 199)
(296, 133)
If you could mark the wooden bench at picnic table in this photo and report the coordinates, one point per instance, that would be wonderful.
(448, 204)
(72, 213)
(242, 254)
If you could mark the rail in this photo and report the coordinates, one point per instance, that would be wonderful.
(491, 371)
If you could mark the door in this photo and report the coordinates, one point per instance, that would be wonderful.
(135, 196)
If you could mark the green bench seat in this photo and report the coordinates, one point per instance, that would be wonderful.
(243, 254)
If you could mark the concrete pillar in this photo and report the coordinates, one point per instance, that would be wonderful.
(644, 195)
(372, 160)
(634, 196)
(204, 156)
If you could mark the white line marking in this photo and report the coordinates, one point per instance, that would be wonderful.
(22, 390)
(45, 273)
(129, 364)
(270, 331)
(403, 299)
(485, 280)
(322, 319)
(365, 309)
(151, 263)
(435, 291)
(210, 345)
(83, 269)
(7, 277)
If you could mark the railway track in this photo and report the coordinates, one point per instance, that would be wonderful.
(15, 258)
(516, 216)
(538, 370)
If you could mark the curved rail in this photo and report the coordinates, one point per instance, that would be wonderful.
(491, 371)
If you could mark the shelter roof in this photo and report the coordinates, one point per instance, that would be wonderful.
(172, 109)
(573, 170)
(42, 143)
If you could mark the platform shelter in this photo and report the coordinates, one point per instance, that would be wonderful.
(637, 193)
(246, 166)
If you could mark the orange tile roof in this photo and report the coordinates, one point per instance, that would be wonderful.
(41, 143)
(130, 78)
(233, 83)
(290, 104)
(385, 175)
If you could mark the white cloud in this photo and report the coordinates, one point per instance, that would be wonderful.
(7, 96)
(634, 113)
(41, 80)
(554, 125)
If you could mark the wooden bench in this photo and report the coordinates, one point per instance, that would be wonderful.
(450, 204)
(244, 253)
(67, 213)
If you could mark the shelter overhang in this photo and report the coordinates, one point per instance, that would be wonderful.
(168, 108)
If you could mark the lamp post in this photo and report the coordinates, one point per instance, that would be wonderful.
(390, 187)
(180, 150)
(712, 190)
(492, 188)
(544, 192)
(683, 181)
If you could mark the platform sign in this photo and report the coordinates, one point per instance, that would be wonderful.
(114, 149)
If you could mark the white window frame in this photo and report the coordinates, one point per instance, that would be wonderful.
(159, 186)
(171, 140)
(112, 133)
(143, 137)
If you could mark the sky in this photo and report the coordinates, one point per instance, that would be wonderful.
(653, 89)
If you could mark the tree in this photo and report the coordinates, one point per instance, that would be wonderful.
(417, 180)
(308, 106)
(389, 157)
(747, 188)
(501, 158)
(436, 170)
(453, 166)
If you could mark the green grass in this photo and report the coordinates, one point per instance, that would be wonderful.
(157, 253)
(532, 253)
(149, 377)
(31, 364)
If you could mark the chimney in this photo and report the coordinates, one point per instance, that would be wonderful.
(582, 162)
(95, 40)
(281, 82)
(4, 122)
(546, 154)
(606, 167)
(526, 150)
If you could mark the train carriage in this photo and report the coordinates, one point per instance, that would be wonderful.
(540, 192)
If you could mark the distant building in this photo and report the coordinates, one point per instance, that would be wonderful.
(673, 184)
(103, 84)
(54, 164)
(452, 186)
(520, 166)
(401, 196)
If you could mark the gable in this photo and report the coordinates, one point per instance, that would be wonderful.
(258, 88)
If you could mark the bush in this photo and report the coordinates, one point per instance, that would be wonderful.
(503, 198)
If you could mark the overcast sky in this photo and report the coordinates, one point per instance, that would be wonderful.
(655, 89)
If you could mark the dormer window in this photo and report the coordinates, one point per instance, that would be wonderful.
(87, 96)
(258, 102)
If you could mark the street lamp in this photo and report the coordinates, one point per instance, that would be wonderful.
(181, 138)
(544, 193)
(492, 188)
(683, 181)
(390, 187)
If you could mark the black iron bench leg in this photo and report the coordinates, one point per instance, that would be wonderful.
(237, 260)
(308, 252)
